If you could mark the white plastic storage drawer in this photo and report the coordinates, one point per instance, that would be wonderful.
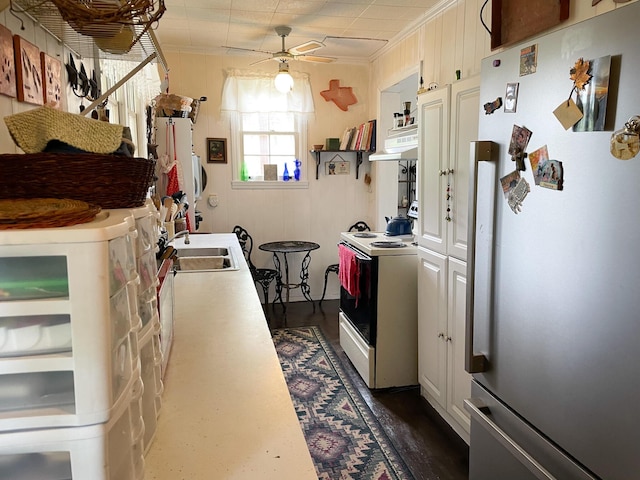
(148, 306)
(33, 277)
(34, 335)
(35, 390)
(148, 270)
(122, 262)
(151, 361)
(147, 238)
(147, 226)
(52, 390)
(106, 451)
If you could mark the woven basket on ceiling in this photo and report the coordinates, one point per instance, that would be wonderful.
(103, 18)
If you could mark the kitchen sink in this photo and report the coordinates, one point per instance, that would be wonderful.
(217, 259)
(203, 252)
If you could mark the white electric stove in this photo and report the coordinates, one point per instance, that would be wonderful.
(379, 326)
(379, 243)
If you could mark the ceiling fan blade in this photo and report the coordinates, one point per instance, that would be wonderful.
(306, 47)
(246, 49)
(263, 60)
(315, 58)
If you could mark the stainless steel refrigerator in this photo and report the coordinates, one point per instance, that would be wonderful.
(553, 319)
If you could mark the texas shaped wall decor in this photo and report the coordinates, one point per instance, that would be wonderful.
(341, 96)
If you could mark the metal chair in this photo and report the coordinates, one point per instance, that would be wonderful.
(359, 226)
(263, 276)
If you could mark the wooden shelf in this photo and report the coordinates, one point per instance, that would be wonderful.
(318, 154)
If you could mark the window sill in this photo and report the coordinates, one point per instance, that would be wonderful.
(262, 185)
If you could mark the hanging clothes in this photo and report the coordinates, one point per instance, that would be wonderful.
(170, 178)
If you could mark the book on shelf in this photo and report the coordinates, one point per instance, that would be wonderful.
(362, 137)
(346, 138)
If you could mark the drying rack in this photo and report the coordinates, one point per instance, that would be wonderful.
(48, 17)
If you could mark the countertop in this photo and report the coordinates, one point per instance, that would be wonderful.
(226, 411)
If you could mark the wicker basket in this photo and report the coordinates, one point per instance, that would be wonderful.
(109, 181)
(24, 213)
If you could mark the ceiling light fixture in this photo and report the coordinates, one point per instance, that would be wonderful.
(283, 81)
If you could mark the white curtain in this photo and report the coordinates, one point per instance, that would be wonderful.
(252, 92)
(145, 83)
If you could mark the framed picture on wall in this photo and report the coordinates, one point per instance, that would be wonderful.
(28, 71)
(337, 167)
(216, 150)
(7, 63)
(52, 86)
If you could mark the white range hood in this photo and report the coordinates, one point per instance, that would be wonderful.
(402, 144)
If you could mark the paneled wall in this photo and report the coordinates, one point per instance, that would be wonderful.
(46, 43)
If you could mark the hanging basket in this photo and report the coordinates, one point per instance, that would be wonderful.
(104, 18)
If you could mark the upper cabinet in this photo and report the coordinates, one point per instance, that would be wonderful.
(448, 122)
(433, 156)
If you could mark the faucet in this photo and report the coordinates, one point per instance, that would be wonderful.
(184, 233)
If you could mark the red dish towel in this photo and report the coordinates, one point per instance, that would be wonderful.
(348, 271)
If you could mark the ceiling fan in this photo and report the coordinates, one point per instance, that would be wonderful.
(299, 52)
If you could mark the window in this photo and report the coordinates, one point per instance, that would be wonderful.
(269, 139)
(267, 127)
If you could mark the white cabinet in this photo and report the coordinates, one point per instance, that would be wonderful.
(433, 158)
(448, 122)
(441, 337)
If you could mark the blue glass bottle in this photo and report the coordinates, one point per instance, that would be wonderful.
(296, 171)
(285, 176)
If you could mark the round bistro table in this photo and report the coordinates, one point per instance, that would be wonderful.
(284, 248)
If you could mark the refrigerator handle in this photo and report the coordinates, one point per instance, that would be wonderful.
(480, 151)
(507, 442)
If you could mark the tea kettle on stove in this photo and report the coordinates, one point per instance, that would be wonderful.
(398, 226)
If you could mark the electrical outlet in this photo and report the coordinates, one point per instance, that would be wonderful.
(213, 200)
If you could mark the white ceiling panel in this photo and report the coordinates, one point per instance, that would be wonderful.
(208, 25)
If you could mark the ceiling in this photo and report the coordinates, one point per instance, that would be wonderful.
(206, 26)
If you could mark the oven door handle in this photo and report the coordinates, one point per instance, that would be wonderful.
(360, 256)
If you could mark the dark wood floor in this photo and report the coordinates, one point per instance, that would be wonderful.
(427, 444)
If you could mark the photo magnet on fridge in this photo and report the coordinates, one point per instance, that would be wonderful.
(509, 182)
(546, 173)
(515, 189)
(552, 175)
(511, 98)
(519, 140)
(538, 160)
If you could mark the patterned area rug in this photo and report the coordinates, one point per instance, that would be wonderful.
(345, 440)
